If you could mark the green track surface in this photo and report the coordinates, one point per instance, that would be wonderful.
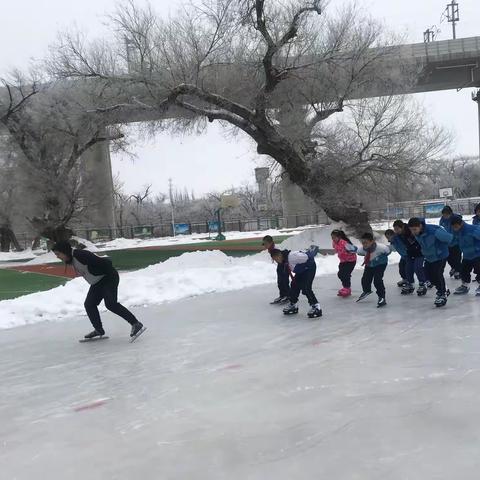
(15, 284)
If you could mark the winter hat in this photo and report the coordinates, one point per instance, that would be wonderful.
(447, 209)
(456, 219)
(63, 247)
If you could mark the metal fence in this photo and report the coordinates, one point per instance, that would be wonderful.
(200, 228)
(404, 210)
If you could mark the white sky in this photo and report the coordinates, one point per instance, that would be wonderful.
(211, 162)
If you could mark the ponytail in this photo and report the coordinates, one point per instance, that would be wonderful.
(342, 235)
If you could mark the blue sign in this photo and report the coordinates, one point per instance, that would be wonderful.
(396, 212)
(434, 209)
(182, 229)
(213, 227)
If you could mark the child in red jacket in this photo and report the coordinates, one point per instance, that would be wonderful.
(348, 259)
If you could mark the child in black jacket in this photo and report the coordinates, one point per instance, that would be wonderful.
(103, 279)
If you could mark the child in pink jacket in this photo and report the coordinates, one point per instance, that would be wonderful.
(348, 259)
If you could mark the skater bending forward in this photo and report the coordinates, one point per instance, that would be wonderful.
(303, 266)
(376, 262)
(103, 279)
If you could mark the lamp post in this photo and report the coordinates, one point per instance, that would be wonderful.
(220, 237)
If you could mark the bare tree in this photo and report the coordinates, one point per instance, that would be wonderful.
(8, 199)
(272, 70)
(51, 132)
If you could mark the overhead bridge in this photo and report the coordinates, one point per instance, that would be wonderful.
(405, 69)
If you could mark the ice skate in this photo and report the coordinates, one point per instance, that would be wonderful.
(344, 292)
(363, 296)
(292, 309)
(279, 301)
(402, 283)
(462, 290)
(381, 303)
(422, 290)
(408, 289)
(441, 301)
(93, 336)
(137, 330)
(477, 291)
(429, 284)
(315, 311)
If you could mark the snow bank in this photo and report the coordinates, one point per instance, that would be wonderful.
(16, 256)
(320, 236)
(124, 243)
(191, 274)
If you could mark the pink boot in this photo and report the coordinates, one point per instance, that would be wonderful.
(345, 292)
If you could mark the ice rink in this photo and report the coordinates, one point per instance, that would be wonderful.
(224, 387)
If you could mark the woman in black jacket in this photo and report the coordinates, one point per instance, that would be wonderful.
(103, 279)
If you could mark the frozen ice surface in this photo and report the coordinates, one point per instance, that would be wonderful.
(225, 387)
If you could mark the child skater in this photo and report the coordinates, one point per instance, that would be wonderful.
(454, 253)
(303, 265)
(103, 279)
(434, 241)
(376, 261)
(283, 275)
(476, 218)
(414, 260)
(348, 259)
(469, 242)
(397, 244)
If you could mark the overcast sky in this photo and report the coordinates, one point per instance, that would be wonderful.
(211, 162)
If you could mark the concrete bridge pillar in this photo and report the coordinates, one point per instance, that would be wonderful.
(296, 205)
(476, 98)
(97, 190)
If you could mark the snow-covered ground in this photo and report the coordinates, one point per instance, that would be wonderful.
(188, 275)
(224, 387)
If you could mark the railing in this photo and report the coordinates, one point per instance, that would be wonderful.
(404, 210)
(103, 234)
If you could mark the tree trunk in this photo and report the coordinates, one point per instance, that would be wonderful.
(4, 240)
(14, 240)
(354, 216)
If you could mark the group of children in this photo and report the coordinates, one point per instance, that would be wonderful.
(424, 249)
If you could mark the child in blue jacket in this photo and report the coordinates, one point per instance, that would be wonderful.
(396, 243)
(434, 241)
(469, 242)
(454, 253)
(376, 262)
(476, 218)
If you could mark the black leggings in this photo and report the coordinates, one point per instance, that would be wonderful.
(467, 267)
(106, 289)
(283, 280)
(455, 258)
(345, 270)
(375, 274)
(303, 283)
(434, 271)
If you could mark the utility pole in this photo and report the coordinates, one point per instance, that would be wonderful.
(170, 191)
(453, 16)
(476, 98)
(428, 36)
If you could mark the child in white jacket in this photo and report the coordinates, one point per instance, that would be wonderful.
(303, 266)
